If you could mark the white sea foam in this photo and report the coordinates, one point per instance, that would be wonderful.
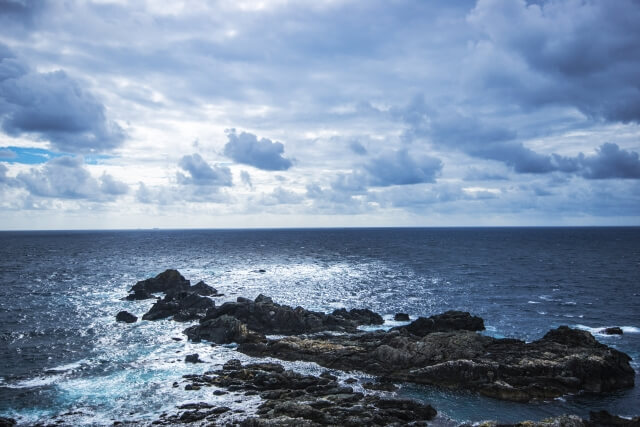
(599, 330)
(533, 302)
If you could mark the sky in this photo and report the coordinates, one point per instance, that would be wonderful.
(323, 113)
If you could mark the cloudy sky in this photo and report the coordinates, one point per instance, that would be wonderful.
(274, 113)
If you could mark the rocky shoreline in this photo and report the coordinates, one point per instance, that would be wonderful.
(445, 350)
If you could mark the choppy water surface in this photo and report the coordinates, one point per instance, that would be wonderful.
(62, 352)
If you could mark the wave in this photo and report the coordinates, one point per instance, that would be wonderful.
(599, 330)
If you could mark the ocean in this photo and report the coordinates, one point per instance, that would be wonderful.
(62, 352)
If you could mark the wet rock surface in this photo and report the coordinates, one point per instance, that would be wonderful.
(181, 305)
(291, 398)
(596, 419)
(442, 350)
(126, 317)
(265, 316)
(564, 361)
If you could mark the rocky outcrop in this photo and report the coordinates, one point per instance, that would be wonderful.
(125, 316)
(613, 331)
(193, 358)
(183, 306)
(167, 281)
(596, 419)
(291, 398)
(401, 317)
(563, 361)
(223, 330)
(360, 316)
(267, 317)
(445, 322)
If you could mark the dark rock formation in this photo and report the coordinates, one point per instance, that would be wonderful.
(291, 398)
(596, 419)
(445, 322)
(360, 316)
(7, 422)
(203, 289)
(193, 358)
(401, 317)
(223, 330)
(267, 317)
(139, 294)
(613, 331)
(167, 281)
(125, 316)
(182, 306)
(563, 361)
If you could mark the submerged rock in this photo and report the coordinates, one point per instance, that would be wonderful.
(182, 306)
(613, 331)
(291, 398)
(563, 361)
(125, 316)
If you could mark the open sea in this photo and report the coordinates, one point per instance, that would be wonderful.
(64, 357)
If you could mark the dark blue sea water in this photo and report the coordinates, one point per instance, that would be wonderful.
(62, 352)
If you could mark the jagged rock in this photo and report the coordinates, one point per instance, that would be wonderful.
(7, 422)
(563, 361)
(401, 317)
(223, 330)
(291, 398)
(360, 316)
(125, 316)
(139, 294)
(267, 317)
(613, 331)
(203, 289)
(167, 281)
(182, 306)
(193, 358)
(596, 419)
(445, 322)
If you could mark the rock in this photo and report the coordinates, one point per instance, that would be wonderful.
(604, 418)
(7, 422)
(182, 306)
(193, 358)
(292, 398)
(564, 361)
(125, 316)
(360, 316)
(267, 317)
(169, 280)
(139, 294)
(223, 330)
(401, 317)
(383, 386)
(197, 406)
(445, 322)
(613, 331)
(203, 289)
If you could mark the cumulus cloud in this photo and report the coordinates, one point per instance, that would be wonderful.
(584, 54)
(67, 178)
(401, 168)
(53, 107)
(261, 153)
(198, 172)
(611, 162)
